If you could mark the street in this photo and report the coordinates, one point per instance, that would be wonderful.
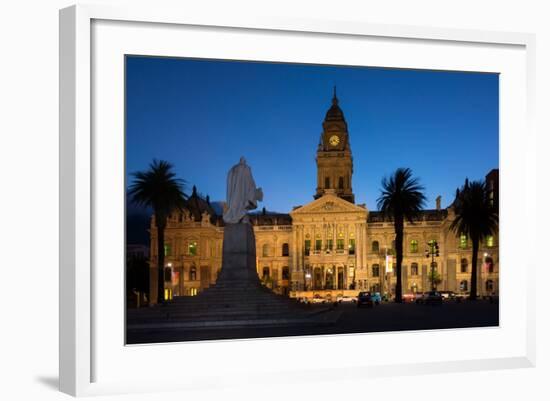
(385, 317)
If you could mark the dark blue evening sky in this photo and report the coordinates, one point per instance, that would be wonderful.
(202, 115)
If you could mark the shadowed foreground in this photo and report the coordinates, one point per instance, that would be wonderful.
(386, 317)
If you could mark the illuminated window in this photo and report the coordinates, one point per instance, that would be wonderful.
(167, 294)
(265, 250)
(414, 246)
(167, 250)
(375, 246)
(285, 249)
(463, 241)
(192, 248)
(329, 244)
(414, 269)
(318, 244)
(351, 246)
(464, 265)
(376, 270)
(340, 244)
(490, 241)
(193, 291)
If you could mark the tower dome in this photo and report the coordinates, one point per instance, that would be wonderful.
(334, 113)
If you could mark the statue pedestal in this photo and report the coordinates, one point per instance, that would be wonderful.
(238, 257)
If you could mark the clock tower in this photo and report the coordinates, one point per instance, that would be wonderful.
(334, 160)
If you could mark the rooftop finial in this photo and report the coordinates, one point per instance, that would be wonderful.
(334, 98)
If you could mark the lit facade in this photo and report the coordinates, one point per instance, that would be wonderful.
(330, 246)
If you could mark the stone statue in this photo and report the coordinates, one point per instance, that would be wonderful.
(242, 193)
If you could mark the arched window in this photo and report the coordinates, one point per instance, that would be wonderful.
(265, 250)
(463, 241)
(463, 265)
(340, 241)
(286, 273)
(414, 246)
(414, 269)
(489, 285)
(375, 246)
(285, 249)
(265, 272)
(341, 183)
(193, 273)
(464, 285)
(192, 248)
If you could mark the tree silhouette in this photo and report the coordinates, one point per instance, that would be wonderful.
(476, 217)
(401, 198)
(159, 189)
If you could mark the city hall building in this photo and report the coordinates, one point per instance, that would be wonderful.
(329, 247)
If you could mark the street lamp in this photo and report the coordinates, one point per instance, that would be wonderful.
(433, 251)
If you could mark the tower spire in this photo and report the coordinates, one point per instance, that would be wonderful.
(334, 98)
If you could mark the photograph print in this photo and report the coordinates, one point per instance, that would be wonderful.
(279, 199)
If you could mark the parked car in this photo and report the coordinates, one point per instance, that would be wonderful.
(365, 299)
(376, 298)
(408, 297)
(317, 299)
(447, 295)
(433, 298)
(346, 299)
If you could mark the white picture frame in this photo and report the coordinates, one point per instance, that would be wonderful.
(81, 346)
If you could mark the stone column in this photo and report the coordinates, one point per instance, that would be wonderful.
(365, 244)
(345, 285)
(294, 248)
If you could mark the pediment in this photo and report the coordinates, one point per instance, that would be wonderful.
(329, 204)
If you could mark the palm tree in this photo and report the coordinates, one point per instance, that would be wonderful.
(401, 198)
(159, 189)
(475, 217)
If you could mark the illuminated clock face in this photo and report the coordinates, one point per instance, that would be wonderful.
(334, 140)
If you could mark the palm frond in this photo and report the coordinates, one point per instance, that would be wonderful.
(402, 195)
(158, 188)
